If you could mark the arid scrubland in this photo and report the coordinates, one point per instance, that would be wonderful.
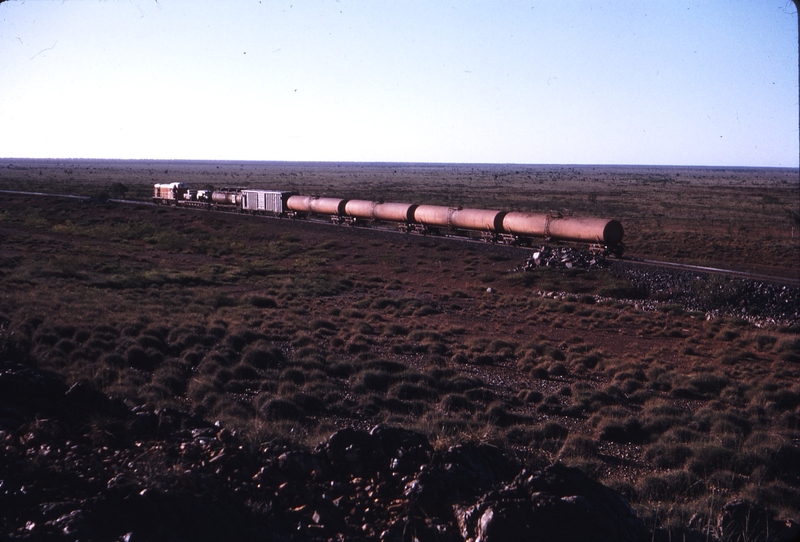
(742, 217)
(287, 331)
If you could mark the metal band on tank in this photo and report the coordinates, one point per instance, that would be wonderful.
(410, 213)
(498, 221)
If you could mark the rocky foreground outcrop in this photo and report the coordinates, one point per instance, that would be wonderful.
(76, 465)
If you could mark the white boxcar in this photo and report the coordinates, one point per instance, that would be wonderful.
(266, 201)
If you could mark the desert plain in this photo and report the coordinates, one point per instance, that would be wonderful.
(208, 362)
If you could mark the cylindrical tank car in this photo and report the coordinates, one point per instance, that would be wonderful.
(511, 227)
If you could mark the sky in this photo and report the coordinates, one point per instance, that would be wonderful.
(710, 83)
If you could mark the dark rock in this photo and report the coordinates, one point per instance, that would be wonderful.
(225, 436)
(474, 468)
(682, 533)
(169, 420)
(556, 504)
(463, 472)
(137, 358)
(153, 515)
(429, 493)
(410, 529)
(406, 450)
(24, 393)
(82, 398)
(299, 464)
(75, 465)
(351, 451)
(279, 409)
(196, 422)
(144, 424)
(564, 258)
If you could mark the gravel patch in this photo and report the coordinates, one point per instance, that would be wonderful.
(758, 301)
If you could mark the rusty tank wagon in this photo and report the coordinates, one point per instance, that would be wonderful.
(495, 226)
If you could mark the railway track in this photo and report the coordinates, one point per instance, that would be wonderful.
(787, 281)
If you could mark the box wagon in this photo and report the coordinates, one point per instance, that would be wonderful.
(265, 201)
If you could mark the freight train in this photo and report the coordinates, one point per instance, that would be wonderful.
(509, 227)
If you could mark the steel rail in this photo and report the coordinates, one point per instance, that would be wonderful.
(713, 270)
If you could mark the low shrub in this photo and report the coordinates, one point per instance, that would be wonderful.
(552, 430)
(670, 487)
(709, 458)
(481, 394)
(376, 380)
(455, 402)
(668, 456)
(396, 329)
(499, 415)
(264, 356)
(579, 447)
(262, 302)
(519, 435)
(628, 432)
(244, 371)
(294, 376)
(532, 396)
(281, 409)
(137, 358)
(709, 383)
(408, 391)
(310, 404)
(485, 359)
(460, 384)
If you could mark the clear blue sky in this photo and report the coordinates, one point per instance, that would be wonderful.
(711, 82)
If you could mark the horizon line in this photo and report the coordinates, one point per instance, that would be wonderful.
(393, 163)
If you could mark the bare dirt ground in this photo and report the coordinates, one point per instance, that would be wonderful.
(287, 331)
